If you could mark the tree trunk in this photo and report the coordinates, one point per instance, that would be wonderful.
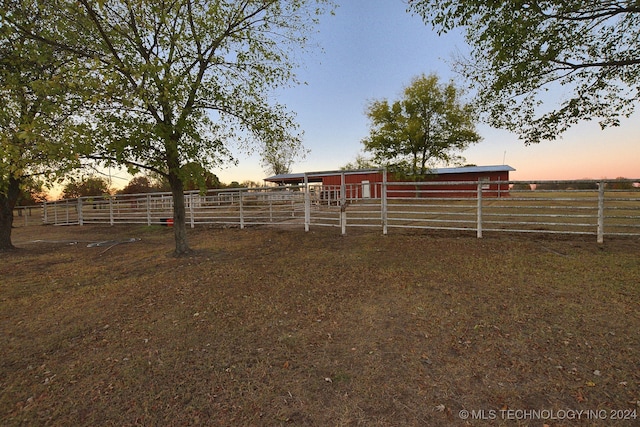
(7, 203)
(179, 215)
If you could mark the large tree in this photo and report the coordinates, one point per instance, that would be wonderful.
(181, 79)
(430, 123)
(37, 104)
(539, 67)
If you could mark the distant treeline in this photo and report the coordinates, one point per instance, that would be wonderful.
(619, 184)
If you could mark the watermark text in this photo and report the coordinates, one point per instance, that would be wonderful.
(548, 414)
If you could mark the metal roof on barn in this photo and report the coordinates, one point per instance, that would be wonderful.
(473, 169)
(297, 178)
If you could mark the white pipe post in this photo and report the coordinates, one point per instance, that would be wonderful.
(148, 209)
(479, 219)
(111, 221)
(307, 203)
(601, 212)
(384, 203)
(241, 210)
(191, 214)
(270, 208)
(293, 207)
(343, 205)
(79, 207)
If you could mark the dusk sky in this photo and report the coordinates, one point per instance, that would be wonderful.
(372, 50)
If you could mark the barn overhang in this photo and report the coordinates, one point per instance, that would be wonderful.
(299, 178)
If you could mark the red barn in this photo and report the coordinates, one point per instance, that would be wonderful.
(367, 183)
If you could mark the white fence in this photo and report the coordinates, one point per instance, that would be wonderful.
(487, 206)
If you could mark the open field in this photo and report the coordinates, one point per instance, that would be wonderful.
(266, 326)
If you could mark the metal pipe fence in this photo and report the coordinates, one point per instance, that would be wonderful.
(598, 208)
(27, 215)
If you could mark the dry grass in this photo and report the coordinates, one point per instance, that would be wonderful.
(280, 327)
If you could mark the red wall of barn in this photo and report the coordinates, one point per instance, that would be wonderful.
(455, 190)
(354, 185)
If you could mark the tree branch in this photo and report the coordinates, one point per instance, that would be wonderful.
(613, 63)
(590, 15)
(101, 157)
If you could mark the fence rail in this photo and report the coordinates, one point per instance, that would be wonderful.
(596, 208)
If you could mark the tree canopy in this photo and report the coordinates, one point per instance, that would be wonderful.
(140, 184)
(87, 186)
(539, 67)
(177, 81)
(429, 124)
(360, 162)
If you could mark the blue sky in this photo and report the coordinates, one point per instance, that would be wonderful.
(372, 50)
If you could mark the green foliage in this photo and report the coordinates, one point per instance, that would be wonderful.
(200, 179)
(88, 186)
(36, 136)
(581, 57)
(142, 184)
(429, 124)
(360, 162)
(179, 80)
(251, 184)
(39, 97)
(31, 193)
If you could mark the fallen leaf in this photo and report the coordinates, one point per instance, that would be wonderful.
(440, 408)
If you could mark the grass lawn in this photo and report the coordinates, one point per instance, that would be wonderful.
(265, 326)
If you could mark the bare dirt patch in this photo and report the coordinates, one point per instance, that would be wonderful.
(280, 327)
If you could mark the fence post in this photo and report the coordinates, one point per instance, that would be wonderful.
(343, 205)
(44, 212)
(601, 212)
(111, 221)
(241, 210)
(80, 219)
(384, 202)
(191, 209)
(479, 219)
(148, 209)
(293, 207)
(270, 208)
(307, 203)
